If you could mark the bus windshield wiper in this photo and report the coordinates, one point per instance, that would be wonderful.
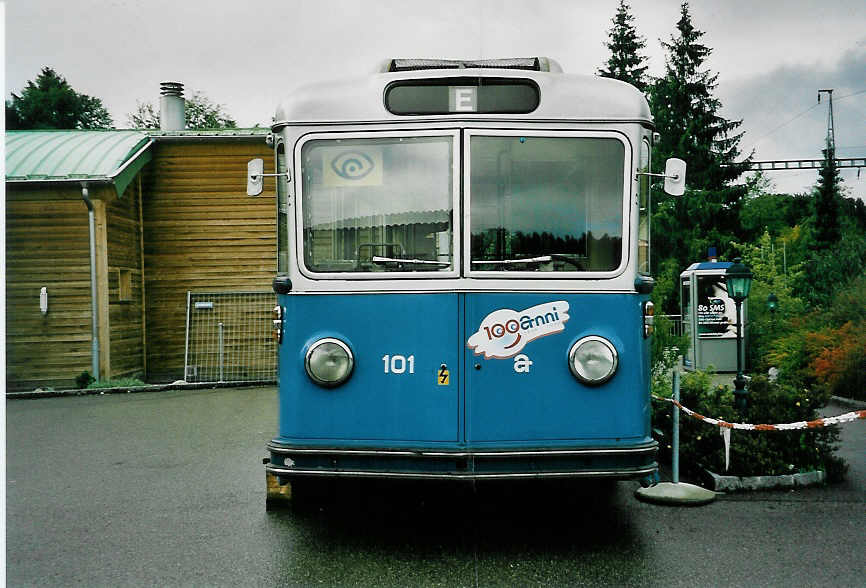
(541, 259)
(380, 259)
(574, 260)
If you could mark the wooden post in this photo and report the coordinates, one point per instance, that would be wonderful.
(104, 333)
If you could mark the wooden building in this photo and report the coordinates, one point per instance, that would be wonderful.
(170, 215)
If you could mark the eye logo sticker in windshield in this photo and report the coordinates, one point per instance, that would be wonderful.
(505, 332)
(353, 165)
(344, 167)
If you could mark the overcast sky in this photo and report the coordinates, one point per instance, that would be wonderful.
(771, 56)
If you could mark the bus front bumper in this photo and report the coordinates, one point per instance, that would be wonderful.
(634, 461)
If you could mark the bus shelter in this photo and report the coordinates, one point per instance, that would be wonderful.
(710, 318)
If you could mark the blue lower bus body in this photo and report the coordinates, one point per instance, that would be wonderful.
(426, 400)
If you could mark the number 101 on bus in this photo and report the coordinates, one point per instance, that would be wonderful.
(396, 364)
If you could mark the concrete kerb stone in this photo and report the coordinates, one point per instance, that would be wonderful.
(179, 385)
(850, 402)
(739, 483)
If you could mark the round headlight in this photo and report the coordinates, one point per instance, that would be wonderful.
(593, 360)
(329, 362)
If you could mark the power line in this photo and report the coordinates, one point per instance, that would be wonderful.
(796, 116)
(849, 95)
(784, 124)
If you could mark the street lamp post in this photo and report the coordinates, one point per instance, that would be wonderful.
(739, 282)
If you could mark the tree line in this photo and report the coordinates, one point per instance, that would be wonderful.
(806, 250)
(720, 207)
(49, 102)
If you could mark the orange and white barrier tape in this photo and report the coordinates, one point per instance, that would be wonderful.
(818, 423)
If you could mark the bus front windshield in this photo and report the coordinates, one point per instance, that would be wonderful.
(378, 204)
(534, 203)
(546, 204)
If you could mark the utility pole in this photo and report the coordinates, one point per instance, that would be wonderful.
(827, 191)
(794, 164)
(831, 138)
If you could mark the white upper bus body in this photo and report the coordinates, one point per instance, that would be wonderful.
(568, 106)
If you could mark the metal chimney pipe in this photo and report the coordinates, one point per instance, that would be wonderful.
(171, 107)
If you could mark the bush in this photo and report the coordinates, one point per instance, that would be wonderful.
(765, 257)
(752, 453)
(840, 367)
(665, 349)
(827, 270)
(83, 380)
(826, 349)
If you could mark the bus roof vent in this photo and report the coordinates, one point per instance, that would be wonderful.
(524, 63)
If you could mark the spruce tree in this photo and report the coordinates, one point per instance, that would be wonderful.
(626, 63)
(829, 265)
(687, 114)
(828, 196)
(687, 117)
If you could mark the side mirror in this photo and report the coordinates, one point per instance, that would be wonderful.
(675, 176)
(255, 170)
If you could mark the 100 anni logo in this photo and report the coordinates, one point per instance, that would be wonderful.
(505, 332)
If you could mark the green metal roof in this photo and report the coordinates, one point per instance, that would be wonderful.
(76, 156)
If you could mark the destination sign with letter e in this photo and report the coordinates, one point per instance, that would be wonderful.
(463, 99)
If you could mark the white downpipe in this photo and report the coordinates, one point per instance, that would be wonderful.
(94, 303)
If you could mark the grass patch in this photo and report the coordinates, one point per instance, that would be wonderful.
(116, 383)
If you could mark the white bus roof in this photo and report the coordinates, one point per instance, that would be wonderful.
(563, 97)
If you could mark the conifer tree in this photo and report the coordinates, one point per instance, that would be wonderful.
(829, 265)
(687, 117)
(50, 102)
(626, 63)
(687, 114)
(828, 197)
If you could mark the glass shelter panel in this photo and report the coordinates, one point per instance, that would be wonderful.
(378, 204)
(546, 204)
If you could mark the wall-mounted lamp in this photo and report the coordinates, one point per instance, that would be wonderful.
(43, 300)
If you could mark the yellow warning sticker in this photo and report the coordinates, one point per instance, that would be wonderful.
(443, 376)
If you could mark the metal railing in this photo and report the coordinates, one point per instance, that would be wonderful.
(674, 326)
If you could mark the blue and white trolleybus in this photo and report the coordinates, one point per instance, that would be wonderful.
(463, 275)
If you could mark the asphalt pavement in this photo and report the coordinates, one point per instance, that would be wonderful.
(168, 489)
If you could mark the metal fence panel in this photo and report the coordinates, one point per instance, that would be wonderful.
(228, 337)
(676, 324)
